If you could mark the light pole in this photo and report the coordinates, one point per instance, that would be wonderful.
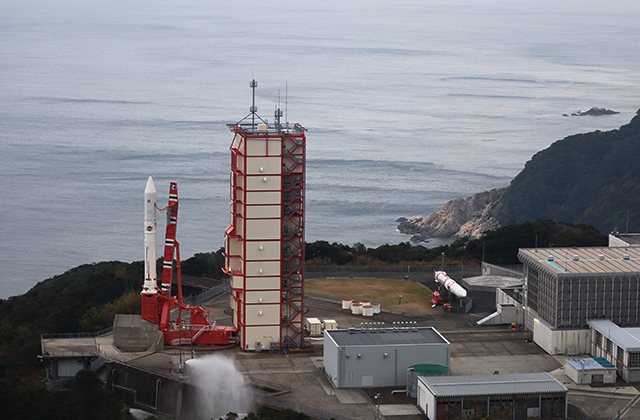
(378, 398)
(330, 395)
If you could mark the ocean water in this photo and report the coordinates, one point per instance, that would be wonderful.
(407, 104)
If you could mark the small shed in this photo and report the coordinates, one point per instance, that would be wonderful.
(314, 326)
(590, 371)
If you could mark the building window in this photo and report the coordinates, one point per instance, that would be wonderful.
(634, 359)
(598, 339)
(609, 347)
(619, 353)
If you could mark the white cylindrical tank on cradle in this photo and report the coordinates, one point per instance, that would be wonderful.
(346, 303)
(367, 310)
(376, 308)
(356, 308)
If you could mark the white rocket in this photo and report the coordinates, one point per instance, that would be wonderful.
(450, 284)
(150, 239)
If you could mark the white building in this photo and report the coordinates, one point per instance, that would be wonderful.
(593, 370)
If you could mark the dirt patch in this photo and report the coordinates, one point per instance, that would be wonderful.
(416, 298)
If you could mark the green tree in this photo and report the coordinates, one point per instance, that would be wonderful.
(87, 399)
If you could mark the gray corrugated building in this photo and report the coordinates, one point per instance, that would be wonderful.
(374, 357)
(566, 287)
(512, 396)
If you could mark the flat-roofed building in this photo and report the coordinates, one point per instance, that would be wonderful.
(591, 370)
(512, 396)
(372, 357)
(619, 346)
(624, 239)
(566, 287)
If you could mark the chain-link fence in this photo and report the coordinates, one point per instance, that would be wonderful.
(420, 273)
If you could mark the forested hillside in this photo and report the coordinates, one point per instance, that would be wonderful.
(589, 178)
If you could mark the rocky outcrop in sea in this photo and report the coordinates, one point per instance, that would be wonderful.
(594, 112)
(458, 218)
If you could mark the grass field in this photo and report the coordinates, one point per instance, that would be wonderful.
(416, 298)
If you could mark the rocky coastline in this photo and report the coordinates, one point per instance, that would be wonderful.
(458, 218)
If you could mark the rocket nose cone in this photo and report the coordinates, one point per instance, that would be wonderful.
(151, 187)
(459, 291)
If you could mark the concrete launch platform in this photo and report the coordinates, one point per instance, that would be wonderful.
(298, 379)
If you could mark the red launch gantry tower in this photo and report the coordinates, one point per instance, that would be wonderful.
(265, 239)
(157, 304)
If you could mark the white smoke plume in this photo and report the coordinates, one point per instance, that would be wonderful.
(221, 388)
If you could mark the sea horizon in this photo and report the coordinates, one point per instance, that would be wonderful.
(407, 106)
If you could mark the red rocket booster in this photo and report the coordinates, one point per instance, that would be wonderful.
(170, 238)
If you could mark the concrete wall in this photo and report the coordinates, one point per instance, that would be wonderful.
(553, 341)
(496, 270)
(151, 392)
(67, 368)
(131, 333)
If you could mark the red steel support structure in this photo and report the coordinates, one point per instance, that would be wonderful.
(265, 238)
(157, 306)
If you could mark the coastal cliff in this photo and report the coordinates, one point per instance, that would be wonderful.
(458, 218)
(591, 178)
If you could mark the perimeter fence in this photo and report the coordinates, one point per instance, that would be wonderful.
(209, 294)
(412, 272)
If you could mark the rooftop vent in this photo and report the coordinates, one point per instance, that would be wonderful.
(626, 257)
(576, 258)
(601, 257)
(550, 258)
